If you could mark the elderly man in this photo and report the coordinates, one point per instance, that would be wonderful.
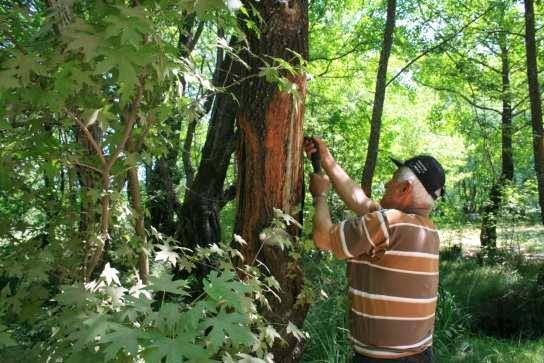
(392, 254)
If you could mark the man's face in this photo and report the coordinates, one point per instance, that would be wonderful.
(395, 193)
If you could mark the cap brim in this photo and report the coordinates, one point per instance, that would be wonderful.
(397, 162)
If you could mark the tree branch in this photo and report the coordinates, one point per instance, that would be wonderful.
(186, 156)
(127, 131)
(459, 94)
(428, 50)
(88, 135)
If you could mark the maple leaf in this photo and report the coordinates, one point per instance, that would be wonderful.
(167, 254)
(231, 325)
(81, 36)
(110, 275)
(176, 350)
(164, 283)
(5, 338)
(116, 293)
(225, 289)
(295, 331)
(121, 338)
(94, 326)
(240, 240)
(73, 295)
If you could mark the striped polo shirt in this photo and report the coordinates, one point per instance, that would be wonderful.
(393, 281)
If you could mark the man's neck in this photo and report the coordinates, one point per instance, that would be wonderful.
(420, 211)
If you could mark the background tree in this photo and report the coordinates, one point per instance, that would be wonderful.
(379, 98)
(535, 101)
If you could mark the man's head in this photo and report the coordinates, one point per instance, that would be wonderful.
(416, 184)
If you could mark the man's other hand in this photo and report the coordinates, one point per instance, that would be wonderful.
(313, 144)
(319, 184)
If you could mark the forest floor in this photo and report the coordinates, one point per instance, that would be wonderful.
(525, 239)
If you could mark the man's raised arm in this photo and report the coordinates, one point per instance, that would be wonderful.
(349, 191)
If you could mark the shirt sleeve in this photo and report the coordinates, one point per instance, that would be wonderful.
(363, 235)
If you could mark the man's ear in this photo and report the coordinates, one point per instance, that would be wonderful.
(406, 186)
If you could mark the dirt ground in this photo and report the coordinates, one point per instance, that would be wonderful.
(528, 240)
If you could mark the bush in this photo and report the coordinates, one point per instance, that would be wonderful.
(504, 299)
(115, 318)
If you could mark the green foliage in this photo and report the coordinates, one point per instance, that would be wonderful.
(105, 321)
(96, 62)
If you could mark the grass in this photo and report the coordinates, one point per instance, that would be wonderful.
(485, 349)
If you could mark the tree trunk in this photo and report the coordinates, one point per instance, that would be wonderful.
(488, 234)
(89, 184)
(379, 98)
(139, 225)
(506, 116)
(164, 206)
(534, 97)
(163, 202)
(270, 158)
(203, 199)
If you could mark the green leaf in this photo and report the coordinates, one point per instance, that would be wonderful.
(225, 289)
(73, 295)
(80, 36)
(176, 350)
(233, 326)
(5, 339)
(94, 326)
(165, 283)
(120, 339)
(8, 79)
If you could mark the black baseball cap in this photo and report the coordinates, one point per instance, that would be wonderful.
(429, 172)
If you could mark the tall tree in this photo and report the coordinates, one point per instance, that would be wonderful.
(379, 98)
(490, 211)
(534, 97)
(270, 152)
(164, 176)
(205, 196)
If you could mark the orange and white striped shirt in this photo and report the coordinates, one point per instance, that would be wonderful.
(393, 281)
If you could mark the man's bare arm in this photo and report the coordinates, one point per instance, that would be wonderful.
(349, 191)
(322, 224)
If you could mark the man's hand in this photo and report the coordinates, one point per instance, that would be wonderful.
(319, 184)
(313, 144)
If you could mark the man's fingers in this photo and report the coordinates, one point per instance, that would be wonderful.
(310, 149)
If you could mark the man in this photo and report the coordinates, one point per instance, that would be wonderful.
(392, 255)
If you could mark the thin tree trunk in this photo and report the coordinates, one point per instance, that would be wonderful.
(89, 183)
(270, 159)
(488, 233)
(139, 223)
(379, 98)
(534, 97)
(203, 199)
(506, 116)
(164, 205)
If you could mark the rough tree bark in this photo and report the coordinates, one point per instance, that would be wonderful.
(379, 98)
(269, 156)
(488, 232)
(534, 97)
